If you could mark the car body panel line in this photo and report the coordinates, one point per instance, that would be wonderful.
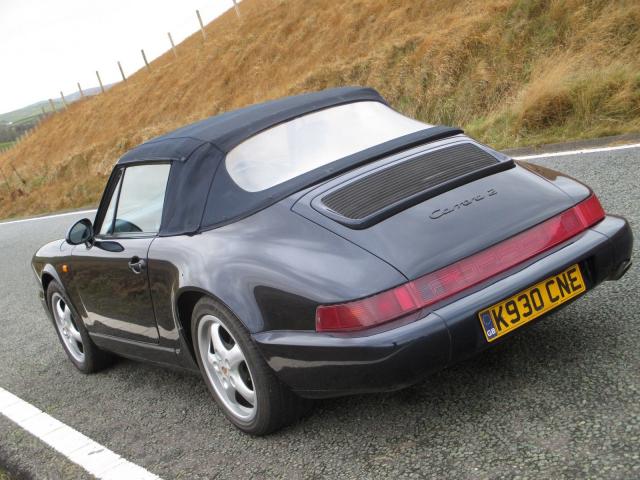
(135, 350)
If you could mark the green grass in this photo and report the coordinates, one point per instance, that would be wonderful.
(4, 145)
(591, 104)
(28, 112)
(30, 119)
(33, 111)
(4, 475)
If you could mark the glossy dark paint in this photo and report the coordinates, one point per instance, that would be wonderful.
(396, 355)
(126, 311)
(274, 268)
(416, 244)
(271, 270)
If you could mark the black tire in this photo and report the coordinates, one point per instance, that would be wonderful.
(276, 405)
(93, 359)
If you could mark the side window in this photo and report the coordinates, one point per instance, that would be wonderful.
(107, 221)
(141, 198)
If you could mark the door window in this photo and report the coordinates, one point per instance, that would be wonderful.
(137, 200)
(139, 207)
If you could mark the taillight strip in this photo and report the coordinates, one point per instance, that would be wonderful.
(466, 273)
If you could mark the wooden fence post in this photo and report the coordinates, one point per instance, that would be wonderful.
(64, 100)
(204, 35)
(237, 8)
(100, 81)
(144, 57)
(44, 112)
(53, 107)
(173, 47)
(124, 79)
(80, 90)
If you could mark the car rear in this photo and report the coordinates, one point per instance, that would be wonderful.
(486, 245)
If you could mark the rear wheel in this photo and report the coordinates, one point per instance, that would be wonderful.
(237, 376)
(72, 334)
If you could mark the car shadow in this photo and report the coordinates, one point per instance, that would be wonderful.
(544, 359)
(507, 383)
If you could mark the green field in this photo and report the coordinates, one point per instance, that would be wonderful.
(28, 119)
(28, 113)
(4, 145)
(4, 475)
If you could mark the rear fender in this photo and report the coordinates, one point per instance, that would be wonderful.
(569, 185)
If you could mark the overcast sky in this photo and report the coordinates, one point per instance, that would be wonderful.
(47, 46)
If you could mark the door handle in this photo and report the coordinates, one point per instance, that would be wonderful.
(137, 264)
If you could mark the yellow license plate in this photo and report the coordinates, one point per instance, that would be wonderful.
(506, 316)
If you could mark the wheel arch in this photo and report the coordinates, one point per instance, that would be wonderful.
(48, 275)
(47, 278)
(186, 301)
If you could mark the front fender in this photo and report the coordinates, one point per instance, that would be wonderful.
(48, 258)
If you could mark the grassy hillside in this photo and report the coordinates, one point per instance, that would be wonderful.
(511, 72)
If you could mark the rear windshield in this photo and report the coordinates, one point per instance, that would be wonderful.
(311, 141)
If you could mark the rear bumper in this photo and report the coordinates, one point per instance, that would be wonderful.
(320, 365)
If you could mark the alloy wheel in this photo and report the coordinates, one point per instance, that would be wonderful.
(67, 327)
(226, 368)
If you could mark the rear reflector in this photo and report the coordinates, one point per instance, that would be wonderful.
(436, 286)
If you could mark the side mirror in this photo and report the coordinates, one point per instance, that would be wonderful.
(80, 232)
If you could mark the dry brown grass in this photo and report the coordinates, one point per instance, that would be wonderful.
(510, 72)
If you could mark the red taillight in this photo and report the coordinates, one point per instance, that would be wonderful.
(466, 273)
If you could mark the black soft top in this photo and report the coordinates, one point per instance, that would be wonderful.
(200, 193)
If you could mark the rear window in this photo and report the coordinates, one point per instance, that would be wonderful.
(305, 143)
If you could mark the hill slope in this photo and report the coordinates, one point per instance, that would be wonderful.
(511, 72)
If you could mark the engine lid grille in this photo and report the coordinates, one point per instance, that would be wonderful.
(375, 196)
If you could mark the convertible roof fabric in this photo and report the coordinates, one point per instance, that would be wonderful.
(229, 129)
(200, 193)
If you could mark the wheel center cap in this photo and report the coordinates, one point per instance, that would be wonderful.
(225, 371)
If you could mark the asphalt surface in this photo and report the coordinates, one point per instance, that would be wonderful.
(560, 400)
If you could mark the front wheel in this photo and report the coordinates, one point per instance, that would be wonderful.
(72, 334)
(237, 376)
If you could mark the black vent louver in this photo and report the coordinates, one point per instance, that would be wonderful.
(373, 197)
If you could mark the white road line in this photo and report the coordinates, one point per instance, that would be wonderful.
(578, 152)
(99, 461)
(46, 217)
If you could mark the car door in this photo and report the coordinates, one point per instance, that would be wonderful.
(110, 277)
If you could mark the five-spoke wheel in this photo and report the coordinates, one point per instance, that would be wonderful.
(81, 350)
(226, 367)
(236, 374)
(66, 325)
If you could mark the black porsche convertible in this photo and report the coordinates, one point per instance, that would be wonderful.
(316, 246)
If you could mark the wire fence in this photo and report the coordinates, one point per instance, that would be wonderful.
(63, 102)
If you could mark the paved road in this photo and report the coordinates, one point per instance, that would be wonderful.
(558, 401)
